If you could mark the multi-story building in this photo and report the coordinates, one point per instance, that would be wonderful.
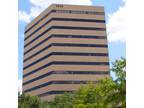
(64, 47)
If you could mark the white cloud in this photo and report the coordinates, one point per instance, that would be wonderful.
(39, 5)
(20, 86)
(23, 16)
(27, 17)
(116, 27)
(46, 3)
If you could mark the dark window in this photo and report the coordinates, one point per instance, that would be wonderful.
(64, 36)
(98, 37)
(52, 92)
(59, 6)
(68, 63)
(67, 27)
(66, 45)
(62, 27)
(57, 82)
(65, 53)
(63, 11)
(65, 72)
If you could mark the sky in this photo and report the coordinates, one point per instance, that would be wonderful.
(114, 13)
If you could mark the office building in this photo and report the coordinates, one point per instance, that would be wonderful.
(64, 47)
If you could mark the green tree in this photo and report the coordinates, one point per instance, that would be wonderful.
(29, 101)
(63, 101)
(119, 68)
(44, 104)
(107, 93)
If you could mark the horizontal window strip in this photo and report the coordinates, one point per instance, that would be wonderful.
(66, 45)
(64, 36)
(66, 54)
(38, 29)
(38, 22)
(67, 72)
(79, 28)
(68, 63)
(37, 78)
(53, 92)
(73, 45)
(79, 45)
(79, 63)
(80, 36)
(68, 28)
(37, 61)
(38, 52)
(56, 82)
(80, 54)
(69, 53)
(70, 72)
(79, 12)
(61, 11)
(78, 19)
(38, 44)
(64, 19)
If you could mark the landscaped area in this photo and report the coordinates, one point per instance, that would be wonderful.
(107, 93)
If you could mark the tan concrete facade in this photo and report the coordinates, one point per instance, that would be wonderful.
(65, 46)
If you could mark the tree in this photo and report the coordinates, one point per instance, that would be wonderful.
(63, 101)
(108, 93)
(29, 101)
(119, 68)
(44, 104)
